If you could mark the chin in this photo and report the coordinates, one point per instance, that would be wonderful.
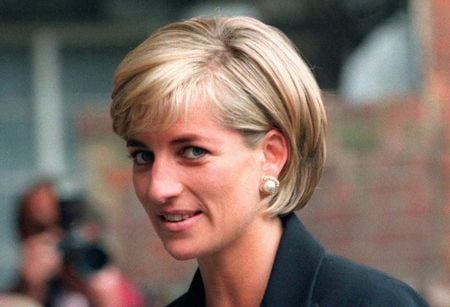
(181, 253)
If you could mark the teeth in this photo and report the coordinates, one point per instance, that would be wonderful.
(176, 217)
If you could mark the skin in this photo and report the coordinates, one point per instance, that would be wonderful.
(41, 261)
(206, 176)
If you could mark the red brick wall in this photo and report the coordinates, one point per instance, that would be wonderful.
(385, 196)
(373, 204)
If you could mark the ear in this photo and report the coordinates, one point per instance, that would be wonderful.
(275, 152)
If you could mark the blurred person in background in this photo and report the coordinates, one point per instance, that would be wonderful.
(39, 233)
(64, 262)
(225, 126)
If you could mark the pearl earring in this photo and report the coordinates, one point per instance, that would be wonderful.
(269, 185)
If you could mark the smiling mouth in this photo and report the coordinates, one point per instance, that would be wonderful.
(176, 218)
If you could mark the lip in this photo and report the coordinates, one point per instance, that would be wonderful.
(190, 218)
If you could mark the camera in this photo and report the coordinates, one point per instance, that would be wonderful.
(83, 253)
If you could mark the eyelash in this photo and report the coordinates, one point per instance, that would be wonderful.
(134, 155)
(185, 149)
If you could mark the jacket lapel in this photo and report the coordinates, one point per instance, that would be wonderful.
(297, 262)
(196, 293)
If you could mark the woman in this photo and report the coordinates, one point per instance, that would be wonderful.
(225, 125)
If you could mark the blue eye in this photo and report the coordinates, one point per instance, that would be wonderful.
(193, 152)
(143, 157)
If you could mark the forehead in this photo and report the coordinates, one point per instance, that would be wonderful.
(198, 119)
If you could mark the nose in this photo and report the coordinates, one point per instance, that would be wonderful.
(164, 184)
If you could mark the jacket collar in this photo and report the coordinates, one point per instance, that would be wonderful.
(295, 268)
(293, 274)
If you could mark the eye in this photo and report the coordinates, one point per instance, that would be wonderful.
(193, 152)
(143, 157)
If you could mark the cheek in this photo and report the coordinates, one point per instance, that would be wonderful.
(140, 187)
(234, 184)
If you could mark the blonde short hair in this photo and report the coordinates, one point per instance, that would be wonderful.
(252, 74)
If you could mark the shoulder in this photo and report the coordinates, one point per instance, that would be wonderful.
(340, 281)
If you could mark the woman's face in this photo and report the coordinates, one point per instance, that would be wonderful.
(199, 183)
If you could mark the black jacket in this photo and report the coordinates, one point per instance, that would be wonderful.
(305, 275)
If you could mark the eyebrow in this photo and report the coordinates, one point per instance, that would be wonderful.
(187, 138)
(134, 143)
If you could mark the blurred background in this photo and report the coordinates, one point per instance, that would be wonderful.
(384, 66)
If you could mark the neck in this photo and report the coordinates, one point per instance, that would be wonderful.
(238, 275)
